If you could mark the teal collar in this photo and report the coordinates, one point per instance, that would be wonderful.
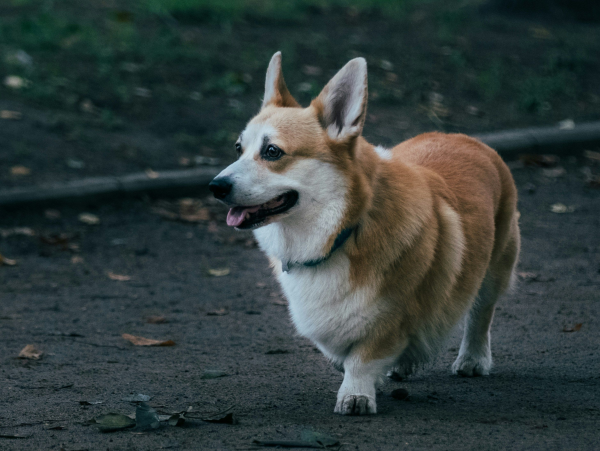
(339, 242)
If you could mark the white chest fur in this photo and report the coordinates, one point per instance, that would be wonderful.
(325, 308)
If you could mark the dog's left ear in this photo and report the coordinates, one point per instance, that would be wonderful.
(342, 105)
(276, 91)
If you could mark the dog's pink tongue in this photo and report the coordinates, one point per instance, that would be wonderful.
(236, 215)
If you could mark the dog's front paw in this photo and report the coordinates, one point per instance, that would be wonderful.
(469, 366)
(356, 405)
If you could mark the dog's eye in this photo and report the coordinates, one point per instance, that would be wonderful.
(238, 148)
(273, 152)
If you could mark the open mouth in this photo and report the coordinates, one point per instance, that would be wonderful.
(248, 217)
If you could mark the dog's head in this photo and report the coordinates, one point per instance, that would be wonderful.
(296, 161)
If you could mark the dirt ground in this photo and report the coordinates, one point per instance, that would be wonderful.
(543, 393)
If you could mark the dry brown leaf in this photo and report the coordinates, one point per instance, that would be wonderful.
(20, 170)
(575, 328)
(11, 115)
(7, 261)
(156, 320)
(30, 352)
(76, 259)
(89, 219)
(141, 341)
(118, 277)
(219, 312)
(219, 272)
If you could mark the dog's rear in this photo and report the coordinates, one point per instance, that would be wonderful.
(478, 185)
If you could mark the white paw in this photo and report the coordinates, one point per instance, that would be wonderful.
(469, 365)
(356, 405)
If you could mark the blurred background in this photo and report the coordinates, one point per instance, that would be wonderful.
(107, 87)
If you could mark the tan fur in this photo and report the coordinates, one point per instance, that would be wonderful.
(435, 226)
(406, 238)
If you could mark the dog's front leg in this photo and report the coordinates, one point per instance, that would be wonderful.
(357, 393)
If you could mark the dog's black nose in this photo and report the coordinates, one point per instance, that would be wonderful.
(220, 187)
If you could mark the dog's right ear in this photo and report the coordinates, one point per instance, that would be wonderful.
(276, 91)
(342, 104)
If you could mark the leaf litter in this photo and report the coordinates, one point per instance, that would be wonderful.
(575, 328)
(7, 261)
(30, 352)
(118, 277)
(141, 341)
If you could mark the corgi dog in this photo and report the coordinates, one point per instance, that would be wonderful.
(380, 252)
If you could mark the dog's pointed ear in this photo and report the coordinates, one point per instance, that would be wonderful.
(342, 104)
(276, 91)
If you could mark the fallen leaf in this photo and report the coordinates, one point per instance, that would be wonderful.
(111, 422)
(89, 219)
(219, 272)
(30, 352)
(76, 259)
(7, 261)
(213, 374)
(137, 398)
(317, 437)
(529, 276)
(575, 328)
(544, 161)
(141, 341)
(177, 419)
(118, 277)
(15, 82)
(219, 312)
(146, 417)
(561, 208)
(11, 115)
(20, 170)
(156, 320)
(184, 161)
(400, 394)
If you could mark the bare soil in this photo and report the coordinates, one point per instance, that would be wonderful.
(543, 393)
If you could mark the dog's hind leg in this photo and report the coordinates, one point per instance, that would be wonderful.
(475, 355)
